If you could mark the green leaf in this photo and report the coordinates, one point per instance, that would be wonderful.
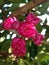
(42, 58)
(1, 15)
(44, 7)
(45, 26)
(46, 62)
(33, 50)
(40, 48)
(46, 57)
(39, 27)
(5, 45)
(14, 7)
(47, 48)
(17, 1)
(7, 61)
(4, 33)
(2, 62)
(21, 62)
(45, 21)
(21, 18)
(44, 48)
(47, 12)
(1, 1)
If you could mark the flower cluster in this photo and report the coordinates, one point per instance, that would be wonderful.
(26, 29)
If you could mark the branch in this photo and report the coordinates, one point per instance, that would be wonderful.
(25, 9)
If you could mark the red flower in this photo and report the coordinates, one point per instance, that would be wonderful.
(27, 30)
(39, 39)
(8, 23)
(18, 47)
(16, 25)
(31, 18)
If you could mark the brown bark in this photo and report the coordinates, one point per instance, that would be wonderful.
(25, 9)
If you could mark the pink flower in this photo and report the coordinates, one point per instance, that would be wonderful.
(18, 47)
(8, 23)
(34, 37)
(16, 25)
(33, 19)
(27, 30)
(39, 39)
